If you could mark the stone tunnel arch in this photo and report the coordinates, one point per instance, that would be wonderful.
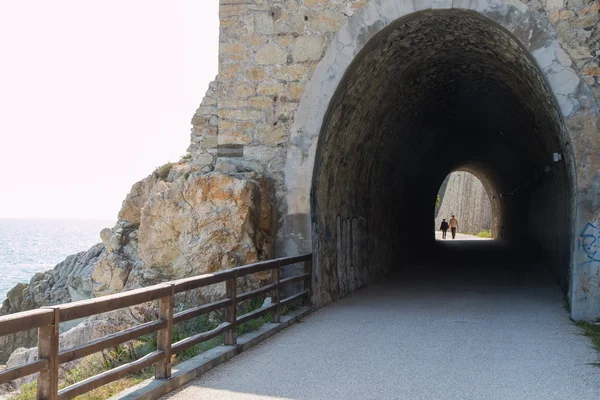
(336, 224)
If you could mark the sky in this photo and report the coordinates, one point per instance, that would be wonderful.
(94, 95)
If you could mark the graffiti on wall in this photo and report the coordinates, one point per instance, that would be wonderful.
(589, 244)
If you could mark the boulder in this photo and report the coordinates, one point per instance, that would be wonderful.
(135, 200)
(131, 208)
(110, 274)
(207, 223)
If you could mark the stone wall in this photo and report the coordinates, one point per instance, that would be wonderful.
(269, 50)
(268, 53)
(577, 25)
(280, 63)
(465, 197)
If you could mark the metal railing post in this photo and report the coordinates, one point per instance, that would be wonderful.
(276, 278)
(308, 281)
(231, 310)
(47, 386)
(165, 336)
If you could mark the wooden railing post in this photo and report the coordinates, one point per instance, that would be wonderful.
(308, 281)
(231, 310)
(165, 336)
(47, 387)
(276, 278)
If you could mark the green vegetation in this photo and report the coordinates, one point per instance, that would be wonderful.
(28, 392)
(591, 330)
(162, 172)
(128, 352)
(437, 201)
(186, 156)
(484, 234)
(189, 328)
(89, 367)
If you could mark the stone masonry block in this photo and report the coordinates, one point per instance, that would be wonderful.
(423, 4)
(441, 4)
(388, 9)
(271, 53)
(307, 48)
(405, 6)
(232, 9)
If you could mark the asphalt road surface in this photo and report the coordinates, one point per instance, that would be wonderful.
(474, 320)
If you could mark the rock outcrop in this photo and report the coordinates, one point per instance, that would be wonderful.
(173, 224)
(206, 223)
(68, 281)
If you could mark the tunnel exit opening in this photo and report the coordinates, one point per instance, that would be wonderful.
(437, 91)
(463, 196)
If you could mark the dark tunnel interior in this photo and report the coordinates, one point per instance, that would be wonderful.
(435, 92)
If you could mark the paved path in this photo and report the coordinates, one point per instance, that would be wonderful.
(489, 330)
(459, 236)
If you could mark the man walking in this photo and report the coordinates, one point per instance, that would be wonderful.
(444, 228)
(453, 226)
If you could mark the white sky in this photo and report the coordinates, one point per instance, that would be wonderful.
(94, 94)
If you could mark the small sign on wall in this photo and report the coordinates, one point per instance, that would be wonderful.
(231, 150)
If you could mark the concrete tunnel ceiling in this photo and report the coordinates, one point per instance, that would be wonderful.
(433, 92)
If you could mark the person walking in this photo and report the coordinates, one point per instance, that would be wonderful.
(453, 226)
(444, 228)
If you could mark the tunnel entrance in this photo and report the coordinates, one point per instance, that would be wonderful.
(434, 92)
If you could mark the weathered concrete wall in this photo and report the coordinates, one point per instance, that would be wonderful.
(466, 198)
(551, 229)
(281, 61)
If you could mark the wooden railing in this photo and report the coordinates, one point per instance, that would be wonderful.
(47, 321)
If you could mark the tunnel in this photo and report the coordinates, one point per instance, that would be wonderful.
(434, 92)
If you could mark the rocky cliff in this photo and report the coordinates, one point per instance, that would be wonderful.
(464, 196)
(175, 223)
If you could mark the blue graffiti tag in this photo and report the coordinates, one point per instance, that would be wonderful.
(589, 242)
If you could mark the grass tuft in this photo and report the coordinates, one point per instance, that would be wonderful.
(485, 234)
(592, 331)
(162, 172)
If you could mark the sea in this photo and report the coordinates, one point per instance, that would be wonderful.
(28, 246)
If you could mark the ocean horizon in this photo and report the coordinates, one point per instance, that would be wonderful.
(32, 245)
